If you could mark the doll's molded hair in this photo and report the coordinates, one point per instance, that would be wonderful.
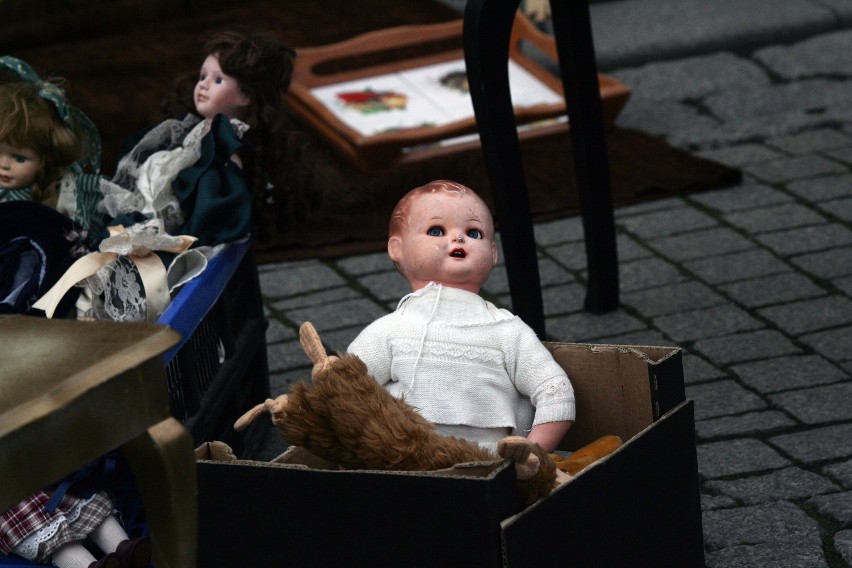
(29, 121)
(399, 217)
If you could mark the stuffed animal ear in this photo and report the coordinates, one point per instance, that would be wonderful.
(313, 348)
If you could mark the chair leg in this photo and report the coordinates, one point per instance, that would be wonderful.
(163, 463)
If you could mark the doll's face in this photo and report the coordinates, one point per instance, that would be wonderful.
(18, 166)
(449, 239)
(217, 93)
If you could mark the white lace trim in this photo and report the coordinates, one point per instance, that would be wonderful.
(146, 186)
(28, 548)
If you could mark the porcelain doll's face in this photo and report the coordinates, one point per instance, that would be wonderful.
(217, 93)
(448, 238)
(18, 166)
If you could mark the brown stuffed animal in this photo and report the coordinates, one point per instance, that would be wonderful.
(346, 417)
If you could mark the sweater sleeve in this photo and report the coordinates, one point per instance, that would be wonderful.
(538, 376)
(373, 348)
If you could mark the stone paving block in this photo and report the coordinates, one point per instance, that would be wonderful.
(840, 154)
(837, 505)
(365, 263)
(279, 281)
(277, 331)
(328, 317)
(804, 316)
(807, 554)
(748, 424)
(780, 109)
(822, 188)
(339, 339)
(844, 285)
(693, 77)
(585, 327)
(563, 299)
(773, 218)
(712, 502)
(790, 483)
(386, 286)
(778, 523)
(280, 383)
(671, 299)
(705, 323)
(809, 58)
(319, 298)
(668, 222)
(842, 472)
(747, 195)
(772, 290)
(807, 239)
(747, 346)
(629, 249)
(646, 273)
(678, 122)
(570, 255)
(833, 343)
(785, 373)
(741, 154)
(559, 231)
(285, 356)
(811, 140)
(826, 264)
(732, 457)
(722, 398)
(551, 273)
(839, 208)
(843, 545)
(816, 444)
(696, 369)
(735, 22)
(817, 405)
(799, 167)
(737, 266)
(701, 244)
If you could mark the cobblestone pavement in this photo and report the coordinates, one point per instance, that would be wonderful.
(753, 282)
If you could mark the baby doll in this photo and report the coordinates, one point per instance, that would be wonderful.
(49, 150)
(204, 174)
(476, 371)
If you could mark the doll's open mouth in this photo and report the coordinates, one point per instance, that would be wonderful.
(457, 253)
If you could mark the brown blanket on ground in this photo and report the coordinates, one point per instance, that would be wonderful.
(120, 58)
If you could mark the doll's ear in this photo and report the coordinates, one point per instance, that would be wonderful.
(395, 249)
(493, 254)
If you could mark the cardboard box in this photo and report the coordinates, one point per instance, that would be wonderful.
(638, 506)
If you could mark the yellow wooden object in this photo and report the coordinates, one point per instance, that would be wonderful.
(71, 391)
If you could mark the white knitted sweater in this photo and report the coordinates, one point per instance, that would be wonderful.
(464, 363)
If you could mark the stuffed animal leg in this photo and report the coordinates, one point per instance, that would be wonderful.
(346, 417)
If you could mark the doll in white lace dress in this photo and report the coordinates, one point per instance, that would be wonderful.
(207, 176)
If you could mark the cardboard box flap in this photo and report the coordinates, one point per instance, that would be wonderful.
(620, 390)
(639, 503)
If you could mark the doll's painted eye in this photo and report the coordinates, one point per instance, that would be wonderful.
(435, 231)
(219, 80)
(20, 159)
(202, 77)
(475, 234)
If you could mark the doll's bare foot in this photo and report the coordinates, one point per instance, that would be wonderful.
(519, 449)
